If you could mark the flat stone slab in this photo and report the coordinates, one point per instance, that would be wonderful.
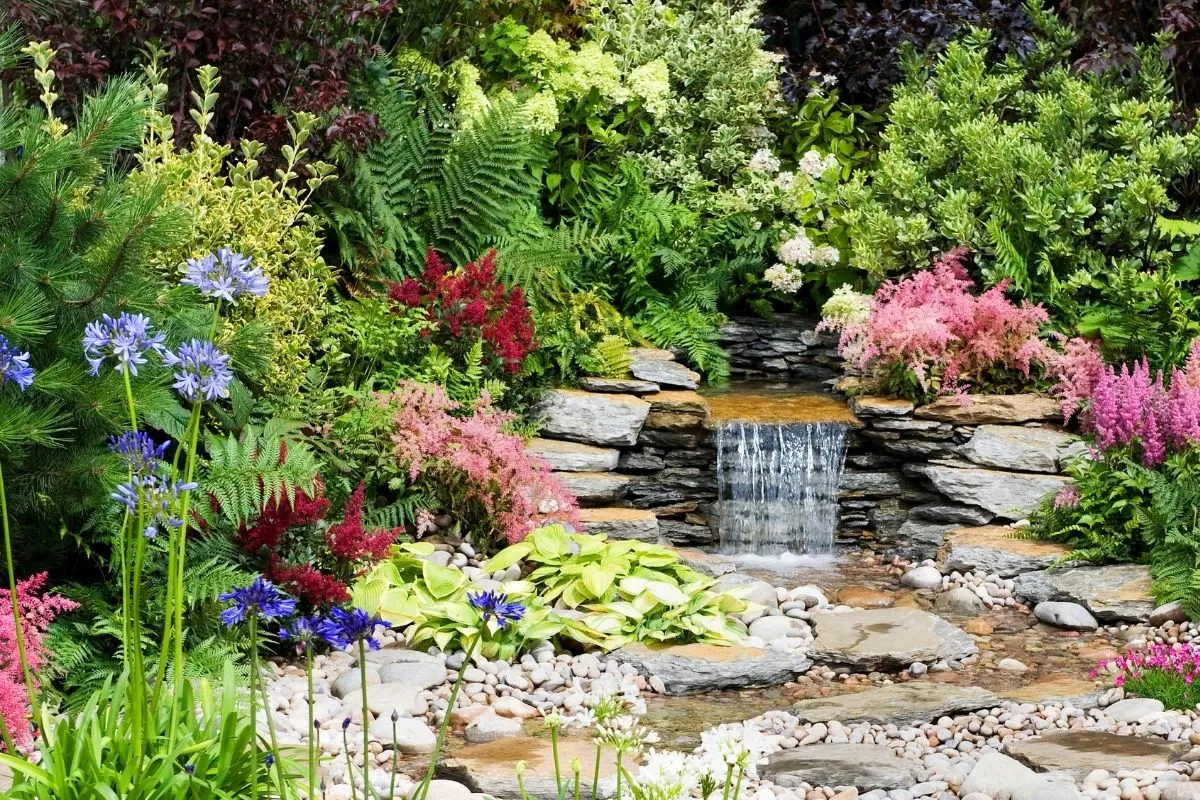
(660, 367)
(870, 406)
(1117, 593)
(857, 596)
(1019, 448)
(1074, 692)
(692, 668)
(1010, 495)
(887, 638)
(678, 402)
(1078, 752)
(992, 409)
(591, 418)
(488, 768)
(594, 488)
(992, 549)
(898, 704)
(618, 385)
(865, 766)
(573, 456)
(620, 523)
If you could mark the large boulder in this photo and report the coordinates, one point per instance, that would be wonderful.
(1018, 448)
(1009, 495)
(884, 638)
(865, 766)
(897, 704)
(573, 456)
(600, 419)
(994, 549)
(1117, 593)
(991, 409)
(1078, 752)
(692, 668)
(1001, 777)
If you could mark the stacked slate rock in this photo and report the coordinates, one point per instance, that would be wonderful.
(786, 348)
(636, 452)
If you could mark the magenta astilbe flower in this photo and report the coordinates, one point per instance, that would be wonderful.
(1067, 497)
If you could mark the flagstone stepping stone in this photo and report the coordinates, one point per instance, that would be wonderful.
(599, 419)
(887, 638)
(898, 704)
(1000, 777)
(993, 549)
(488, 768)
(692, 668)
(1078, 752)
(864, 766)
(573, 456)
(864, 597)
(1074, 692)
(1117, 593)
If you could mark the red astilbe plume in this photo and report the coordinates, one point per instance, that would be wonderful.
(349, 540)
(278, 516)
(469, 303)
(38, 610)
(307, 582)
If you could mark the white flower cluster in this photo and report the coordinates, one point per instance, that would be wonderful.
(847, 307)
(800, 250)
(763, 161)
(814, 165)
(784, 278)
(729, 753)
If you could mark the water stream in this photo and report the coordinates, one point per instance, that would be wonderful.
(777, 486)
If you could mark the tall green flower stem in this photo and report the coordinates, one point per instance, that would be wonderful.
(132, 537)
(444, 729)
(366, 724)
(274, 737)
(596, 772)
(312, 727)
(18, 625)
(558, 785)
(254, 676)
(728, 782)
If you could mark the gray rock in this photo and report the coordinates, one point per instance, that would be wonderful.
(412, 735)
(887, 638)
(489, 727)
(922, 578)
(692, 668)
(748, 588)
(383, 699)
(620, 523)
(1018, 448)
(1181, 790)
(870, 406)
(1070, 616)
(993, 549)
(594, 488)
(660, 367)
(863, 766)
(1134, 708)
(1167, 612)
(959, 600)
(618, 385)
(573, 456)
(1077, 752)
(951, 514)
(351, 680)
(1009, 495)
(1117, 593)
(896, 704)
(988, 409)
(424, 674)
(922, 538)
(1002, 778)
(768, 628)
(600, 419)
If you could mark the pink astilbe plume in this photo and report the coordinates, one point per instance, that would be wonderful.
(38, 610)
(1076, 371)
(472, 455)
(951, 340)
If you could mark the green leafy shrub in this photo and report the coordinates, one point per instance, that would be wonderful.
(1057, 181)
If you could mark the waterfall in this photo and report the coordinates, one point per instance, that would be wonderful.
(777, 486)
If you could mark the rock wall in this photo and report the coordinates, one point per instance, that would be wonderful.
(786, 348)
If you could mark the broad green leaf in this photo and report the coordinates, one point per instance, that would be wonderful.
(441, 581)
(507, 557)
(598, 579)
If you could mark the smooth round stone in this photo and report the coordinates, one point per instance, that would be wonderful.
(412, 736)
(423, 674)
(922, 578)
(384, 698)
(490, 727)
(512, 707)
(351, 680)
(443, 790)
(773, 627)
(1133, 709)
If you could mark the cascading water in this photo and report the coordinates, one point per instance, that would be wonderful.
(777, 486)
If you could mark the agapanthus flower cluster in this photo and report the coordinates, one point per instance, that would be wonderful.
(139, 453)
(800, 250)
(14, 365)
(154, 496)
(347, 627)
(261, 600)
(740, 746)
(498, 485)
(470, 303)
(624, 734)
(38, 610)
(126, 339)
(496, 610)
(302, 632)
(815, 165)
(225, 275)
(931, 326)
(1131, 407)
(201, 371)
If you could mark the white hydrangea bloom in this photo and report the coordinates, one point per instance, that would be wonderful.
(784, 278)
(541, 113)
(652, 83)
(814, 165)
(763, 161)
(796, 250)
(847, 307)
(786, 181)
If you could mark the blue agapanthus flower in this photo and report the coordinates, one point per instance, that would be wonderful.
(302, 631)
(139, 452)
(260, 599)
(156, 497)
(225, 275)
(14, 365)
(126, 339)
(344, 628)
(495, 606)
(201, 371)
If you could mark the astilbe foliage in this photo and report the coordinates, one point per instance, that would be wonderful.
(483, 472)
(38, 610)
(468, 303)
(928, 334)
(311, 559)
